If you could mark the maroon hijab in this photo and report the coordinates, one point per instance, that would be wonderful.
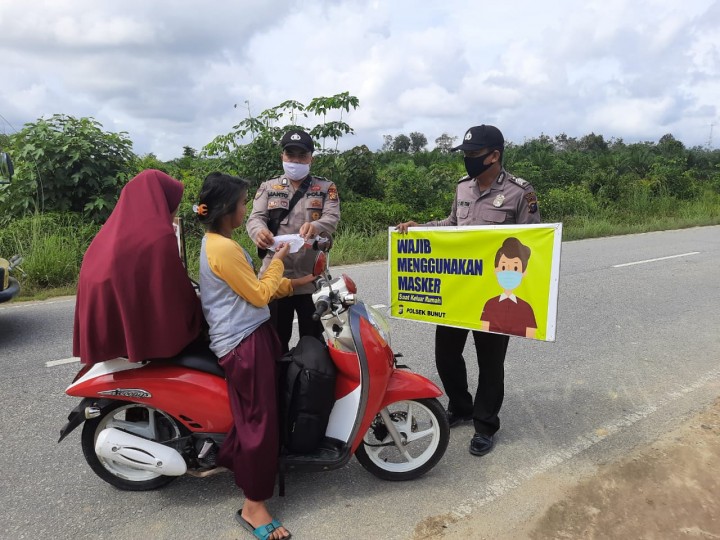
(134, 296)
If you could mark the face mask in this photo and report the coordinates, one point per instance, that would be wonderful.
(475, 166)
(509, 279)
(296, 171)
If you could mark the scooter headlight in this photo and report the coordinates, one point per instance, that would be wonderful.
(379, 322)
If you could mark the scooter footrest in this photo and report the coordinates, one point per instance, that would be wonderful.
(330, 454)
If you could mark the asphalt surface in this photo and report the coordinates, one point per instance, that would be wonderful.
(637, 351)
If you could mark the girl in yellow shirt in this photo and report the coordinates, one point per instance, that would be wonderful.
(235, 303)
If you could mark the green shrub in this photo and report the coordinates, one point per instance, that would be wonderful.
(65, 164)
(370, 216)
(352, 247)
(560, 203)
(53, 261)
(52, 246)
(407, 184)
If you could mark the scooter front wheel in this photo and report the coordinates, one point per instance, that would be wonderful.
(137, 419)
(411, 446)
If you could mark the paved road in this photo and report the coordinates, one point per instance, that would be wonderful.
(637, 350)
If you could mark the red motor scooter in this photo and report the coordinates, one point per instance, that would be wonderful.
(147, 423)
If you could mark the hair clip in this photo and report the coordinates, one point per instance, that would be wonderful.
(200, 209)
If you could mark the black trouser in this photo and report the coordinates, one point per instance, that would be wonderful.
(283, 311)
(490, 350)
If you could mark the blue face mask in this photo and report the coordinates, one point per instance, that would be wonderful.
(509, 279)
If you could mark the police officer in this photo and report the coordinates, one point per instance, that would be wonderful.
(277, 210)
(488, 195)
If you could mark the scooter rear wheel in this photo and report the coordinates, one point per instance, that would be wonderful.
(137, 419)
(423, 431)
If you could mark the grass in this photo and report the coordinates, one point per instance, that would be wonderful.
(53, 245)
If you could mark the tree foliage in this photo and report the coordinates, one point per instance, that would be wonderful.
(418, 142)
(401, 144)
(258, 159)
(444, 143)
(66, 164)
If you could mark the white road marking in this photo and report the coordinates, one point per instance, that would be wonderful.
(31, 303)
(70, 360)
(658, 259)
(582, 443)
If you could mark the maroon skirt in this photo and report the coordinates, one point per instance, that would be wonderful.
(251, 447)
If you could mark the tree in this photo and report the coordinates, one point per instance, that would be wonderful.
(409, 185)
(444, 143)
(564, 143)
(593, 143)
(259, 159)
(357, 169)
(669, 146)
(387, 143)
(67, 164)
(401, 143)
(418, 142)
(189, 152)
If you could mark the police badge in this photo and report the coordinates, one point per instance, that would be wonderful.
(497, 203)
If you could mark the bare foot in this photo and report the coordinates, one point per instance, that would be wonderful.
(256, 513)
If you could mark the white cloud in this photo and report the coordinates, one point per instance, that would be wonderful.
(171, 73)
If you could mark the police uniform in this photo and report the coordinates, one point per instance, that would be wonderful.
(509, 200)
(321, 206)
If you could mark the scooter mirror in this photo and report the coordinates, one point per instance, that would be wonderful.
(320, 263)
(6, 168)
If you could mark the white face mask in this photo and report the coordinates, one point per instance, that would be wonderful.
(296, 171)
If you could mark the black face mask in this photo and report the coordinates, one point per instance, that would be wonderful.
(475, 166)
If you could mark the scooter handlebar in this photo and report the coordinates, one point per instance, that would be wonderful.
(321, 306)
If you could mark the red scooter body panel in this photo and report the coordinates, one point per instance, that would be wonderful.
(348, 371)
(408, 385)
(199, 400)
(381, 362)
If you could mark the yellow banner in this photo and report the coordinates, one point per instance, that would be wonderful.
(499, 279)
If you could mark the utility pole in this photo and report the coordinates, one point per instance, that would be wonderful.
(709, 143)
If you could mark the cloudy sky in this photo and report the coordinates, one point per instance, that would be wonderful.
(171, 72)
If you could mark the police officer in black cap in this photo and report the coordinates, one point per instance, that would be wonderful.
(295, 202)
(488, 195)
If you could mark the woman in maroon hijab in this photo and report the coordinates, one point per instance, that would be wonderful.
(134, 297)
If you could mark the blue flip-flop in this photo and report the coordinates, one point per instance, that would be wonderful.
(262, 532)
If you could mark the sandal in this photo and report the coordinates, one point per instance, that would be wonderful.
(262, 532)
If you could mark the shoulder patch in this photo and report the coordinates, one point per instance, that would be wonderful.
(532, 202)
(520, 182)
(260, 191)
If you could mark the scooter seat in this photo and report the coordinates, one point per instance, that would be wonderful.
(197, 356)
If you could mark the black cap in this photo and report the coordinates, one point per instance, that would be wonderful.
(483, 136)
(299, 138)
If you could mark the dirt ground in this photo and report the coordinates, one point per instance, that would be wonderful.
(669, 489)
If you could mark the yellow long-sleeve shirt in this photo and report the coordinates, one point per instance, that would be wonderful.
(234, 299)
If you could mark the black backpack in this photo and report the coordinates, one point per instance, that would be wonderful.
(307, 394)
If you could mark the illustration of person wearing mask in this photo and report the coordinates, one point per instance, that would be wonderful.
(508, 314)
